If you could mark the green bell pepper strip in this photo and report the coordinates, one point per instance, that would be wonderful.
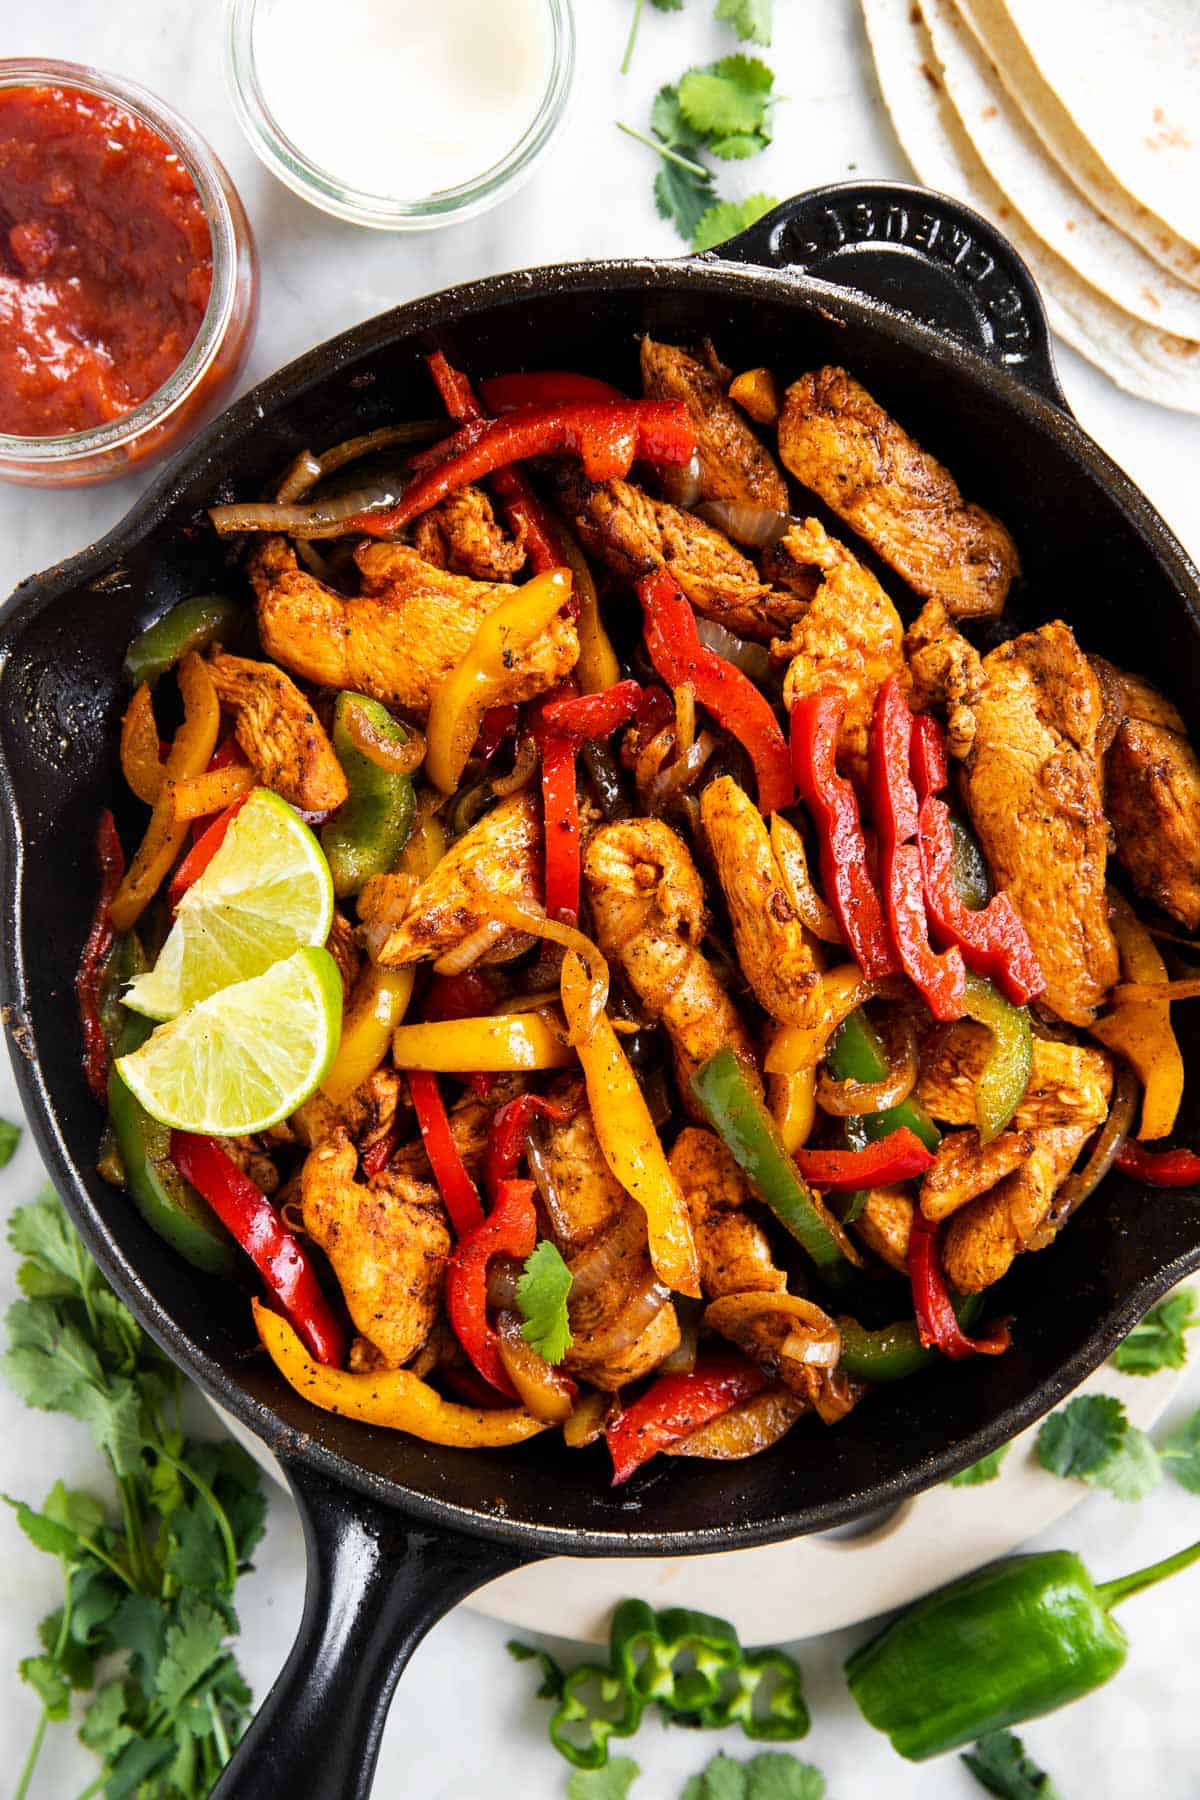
(647, 1648)
(192, 625)
(1005, 1075)
(894, 1352)
(1014, 1640)
(854, 1053)
(372, 826)
(169, 1204)
(744, 1125)
(968, 867)
(763, 1694)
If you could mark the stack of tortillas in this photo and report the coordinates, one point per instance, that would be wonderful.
(1074, 126)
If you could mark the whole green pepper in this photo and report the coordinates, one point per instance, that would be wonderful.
(1005, 1075)
(372, 826)
(894, 1352)
(169, 1204)
(1010, 1642)
(192, 625)
(740, 1119)
(854, 1053)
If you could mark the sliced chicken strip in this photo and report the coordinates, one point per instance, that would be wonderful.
(735, 1256)
(734, 464)
(884, 1226)
(1068, 1082)
(1152, 798)
(982, 1240)
(462, 534)
(284, 741)
(588, 1196)
(964, 1168)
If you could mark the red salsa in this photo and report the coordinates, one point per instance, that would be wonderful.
(105, 261)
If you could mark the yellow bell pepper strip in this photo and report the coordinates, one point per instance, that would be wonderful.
(140, 762)
(377, 1005)
(495, 1045)
(598, 667)
(793, 1103)
(165, 835)
(393, 1398)
(797, 1047)
(483, 676)
(202, 796)
(627, 1138)
(1140, 1030)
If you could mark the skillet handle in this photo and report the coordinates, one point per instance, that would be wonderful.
(375, 1585)
(920, 253)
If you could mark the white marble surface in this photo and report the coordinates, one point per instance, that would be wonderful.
(463, 1720)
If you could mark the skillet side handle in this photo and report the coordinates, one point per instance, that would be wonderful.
(920, 253)
(375, 1585)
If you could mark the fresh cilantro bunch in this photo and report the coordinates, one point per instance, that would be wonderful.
(999, 1764)
(149, 1581)
(771, 1775)
(724, 110)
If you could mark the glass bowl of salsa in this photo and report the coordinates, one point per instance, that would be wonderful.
(128, 275)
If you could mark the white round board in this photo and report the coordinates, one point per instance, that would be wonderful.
(782, 1592)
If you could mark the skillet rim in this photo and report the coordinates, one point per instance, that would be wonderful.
(455, 307)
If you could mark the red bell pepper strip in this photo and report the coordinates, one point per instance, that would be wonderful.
(928, 764)
(582, 717)
(676, 1405)
(248, 1216)
(939, 977)
(459, 1193)
(523, 509)
(544, 387)
(1160, 1168)
(992, 941)
(509, 1131)
(499, 722)
(607, 436)
(111, 859)
(849, 887)
(203, 849)
(560, 809)
(510, 1229)
(937, 1325)
(897, 1157)
(376, 1157)
(731, 697)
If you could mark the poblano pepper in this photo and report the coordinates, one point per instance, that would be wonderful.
(192, 625)
(372, 826)
(1010, 1642)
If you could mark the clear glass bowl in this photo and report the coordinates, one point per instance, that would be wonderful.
(215, 356)
(319, 186)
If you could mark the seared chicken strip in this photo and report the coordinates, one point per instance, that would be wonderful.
(946, 671)
(401, 636)
(648, 904)
(388, 1243)
(964, 1168)
(342, 945)
(501, 854)
(588, 1196)
(982, 1240)
(624, 1298)
(734, 465)
(884, 1225)
(840, 443)
(1068, 1083)
(849, 638)
(633, 534)
(773, 949)
(1032, 784)
(462, 534)
(284, 741)
(735, 1257)
(1152, 797)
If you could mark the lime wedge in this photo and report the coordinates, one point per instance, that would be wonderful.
(266, 893)
(244, 1058)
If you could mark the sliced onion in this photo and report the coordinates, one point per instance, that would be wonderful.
(522, 917)
(522, 772)
(547, 1187)
(746, 1429)
(314, 562)
(682, 1359)
(384, 752)
(635, 1318)
(588, 1419)
(668, 784)
(542, 1389)
(304, 474)
(503, 1274)
(680, 482)
(472, 949)
(752, 659)
(300, 475)
(1131, 992)
(758, 527)
(847, 1099)
(1078, 1187)
(324, 519)
(598, 1261)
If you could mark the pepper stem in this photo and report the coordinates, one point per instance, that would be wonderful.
(1113, 1592)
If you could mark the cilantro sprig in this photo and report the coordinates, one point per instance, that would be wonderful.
(147, 1582)
(1092, 1440)
(542, 1291)
(750, 20)
(999, 1764)
(771, 1775)
(986, 1469)
(1160, 1340)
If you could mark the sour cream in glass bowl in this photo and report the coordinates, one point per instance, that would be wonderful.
(400, 114)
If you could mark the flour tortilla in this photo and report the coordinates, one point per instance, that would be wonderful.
(1067, 143)
(1128, 72)
(1152, 364)
(1039, 190)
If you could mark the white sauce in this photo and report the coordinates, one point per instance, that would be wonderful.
(403, 98)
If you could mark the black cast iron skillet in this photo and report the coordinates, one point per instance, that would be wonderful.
(397, 1530)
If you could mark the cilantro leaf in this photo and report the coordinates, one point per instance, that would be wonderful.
(1158, 1342)
(10, 1137)
(44, 1677)
(999, 1764)
(681, 194)
(194, 1644)
(76, 1508)
(986, 1469)
(727, 97)
(41, 1230)
(1092, 1440)
(43, 1533)
(1181, 1454)
(737, 147)
(105, 1728)
(612, 1782)
(771, 1775)
(728, 218)
(553, 1675)
(667, 5)
(542, 1302)
(750, 19)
